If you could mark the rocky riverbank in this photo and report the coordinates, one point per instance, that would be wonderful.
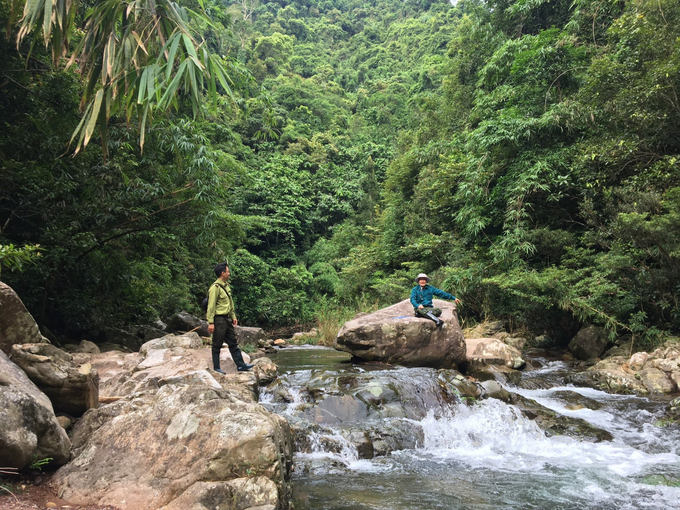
(154, 429)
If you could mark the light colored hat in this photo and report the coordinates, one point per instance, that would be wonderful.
(422, 275)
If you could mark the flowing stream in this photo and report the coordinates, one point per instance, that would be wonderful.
(430, 452)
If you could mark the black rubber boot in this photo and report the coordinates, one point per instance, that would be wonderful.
(236, 355)
(434, 318)
(216, 360)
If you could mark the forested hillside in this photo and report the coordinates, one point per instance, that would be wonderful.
(524, 153)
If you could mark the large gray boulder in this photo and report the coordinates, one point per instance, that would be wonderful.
(590, 342)
(493, 351)
(17, 325)
(72, 389)
(246, 335)
(183, 437)
(182, 322)
(121, 337)
(394, 335)
(29, 430)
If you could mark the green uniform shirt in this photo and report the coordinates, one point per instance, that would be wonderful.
(220, 301)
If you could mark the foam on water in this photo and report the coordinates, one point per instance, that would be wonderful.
(488, 455)
(494, 434)
(630, 426)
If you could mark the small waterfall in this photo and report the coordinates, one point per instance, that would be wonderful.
(482, 456)
(492, 433)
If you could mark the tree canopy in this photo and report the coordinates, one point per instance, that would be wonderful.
(525, 153)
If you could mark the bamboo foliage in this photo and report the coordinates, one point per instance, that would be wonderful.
(134, 56)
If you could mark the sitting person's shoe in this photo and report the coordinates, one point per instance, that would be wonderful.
(219, 371)
(244, 368)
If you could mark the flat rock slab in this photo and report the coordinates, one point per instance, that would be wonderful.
(394, 335)
(124, 373)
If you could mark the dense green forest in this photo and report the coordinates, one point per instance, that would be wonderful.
(524, 153)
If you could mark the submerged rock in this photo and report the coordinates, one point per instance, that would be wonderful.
(674, 408)
(576, 401)
(482, 371)
(372, 412)
(493, 389)
(556, 424)
(394, 335)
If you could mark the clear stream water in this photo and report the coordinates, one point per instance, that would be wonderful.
(488, 456)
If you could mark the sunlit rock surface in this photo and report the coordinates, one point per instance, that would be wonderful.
(642, 373)
(178, 435)
(147, 450)
(493, 351)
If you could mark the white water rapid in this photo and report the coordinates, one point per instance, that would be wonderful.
(489, 456)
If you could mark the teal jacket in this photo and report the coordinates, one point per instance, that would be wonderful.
(423, 295)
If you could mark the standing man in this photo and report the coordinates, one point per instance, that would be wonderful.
(421, 299)
(221, 317)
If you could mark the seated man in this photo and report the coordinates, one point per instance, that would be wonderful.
(421, 299)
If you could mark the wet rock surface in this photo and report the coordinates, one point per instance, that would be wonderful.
(483, 371)
(370, 409)
(554, 423)
(376, 412)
